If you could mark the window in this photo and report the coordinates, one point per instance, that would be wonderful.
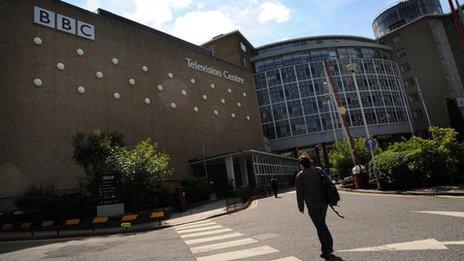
(409, 82)
(314, 124)
(263, 97)
(212, 49)
(401, 53)
(298, 126)
(368, 53)
(266, 114)
(405, 67)
(269, 131)
(310, 106)
(282, 129)
(280, 111)
(243, 47)
(273, 78)
(288, 74)
(291, 91)
(277, 94)
(414, 97)
(294, 109)
(397, 39)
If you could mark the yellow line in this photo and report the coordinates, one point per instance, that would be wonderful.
(253, 204)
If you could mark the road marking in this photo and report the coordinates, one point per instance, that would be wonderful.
(205, 233)
(228, 244)
(455, 243)
(253, 204)
(198, 229)
(444, 213)
(289, 258)
(291, 192)
(233, 255)
(427, 244)
(197, 225)
(209, 239)
(398, 195)
(193, 223)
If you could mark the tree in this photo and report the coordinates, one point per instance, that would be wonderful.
(455, 118)
(90, 153)
(143, 170)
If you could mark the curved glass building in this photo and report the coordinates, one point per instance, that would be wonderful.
(403, 13)
(294, 101)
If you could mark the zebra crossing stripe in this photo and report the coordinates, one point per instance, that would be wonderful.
(289, 258)
(217, 246)
(209, 239)
(196, 225)
(205, 233)
(233, 255)
(193, 223)
(198, 229)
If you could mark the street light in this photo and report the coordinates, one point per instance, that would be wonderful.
(353, 67)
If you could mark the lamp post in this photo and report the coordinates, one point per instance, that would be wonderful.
(353, 67)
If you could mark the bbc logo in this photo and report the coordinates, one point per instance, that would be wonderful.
(63, 23)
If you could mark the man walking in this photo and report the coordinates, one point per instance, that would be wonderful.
(274, 185)
(309, 190)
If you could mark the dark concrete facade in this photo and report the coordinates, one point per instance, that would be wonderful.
(429, 49)
(37, 123)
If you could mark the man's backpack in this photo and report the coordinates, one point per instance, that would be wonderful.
(329, 191)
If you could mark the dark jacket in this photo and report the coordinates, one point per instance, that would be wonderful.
(308, 185)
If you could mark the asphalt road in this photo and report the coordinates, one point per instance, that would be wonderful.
(273, 229)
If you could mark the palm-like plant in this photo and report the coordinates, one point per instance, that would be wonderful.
(90, 153)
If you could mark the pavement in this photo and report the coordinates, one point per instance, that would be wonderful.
(208, 210)
(376, 227)
(433, 191)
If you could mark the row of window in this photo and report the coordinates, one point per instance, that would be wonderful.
(319, 55)
(372, 71)
(323, 122)
(310, 106)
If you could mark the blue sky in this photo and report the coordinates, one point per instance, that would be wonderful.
(261, 21)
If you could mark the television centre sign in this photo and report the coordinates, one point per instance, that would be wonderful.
(194, 65)
(63, 23)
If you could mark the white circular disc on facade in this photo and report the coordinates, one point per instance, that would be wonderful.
(38, 40)
(159, 87)
(116, 95)
(216, 112)
(244, 94)
(223, 101)
(131, 81)
(115, 60)
(145, 68)
(80, 89)
(173, 105)
(80, 52)
(192, 81)
(184, 92)
(213, 86)
(248, 118)
(60, 66)
(232, 115)
(147, 101)
(239, 104)
(229, 90)
(99, 75)
(170, 75)
(38, 82)
(195, 109)
(205, 97)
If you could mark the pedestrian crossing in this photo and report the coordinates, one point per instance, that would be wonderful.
(209, 241)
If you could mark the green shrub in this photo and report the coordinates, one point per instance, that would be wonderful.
(142, 171)
(341, 161)
(197, 189)
(43, 201)
(422, 162)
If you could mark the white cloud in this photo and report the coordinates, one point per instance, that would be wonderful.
(273, 12)
(92, 5)
(330, 4)
(200, 26)
(155, 13)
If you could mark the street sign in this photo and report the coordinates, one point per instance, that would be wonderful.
(370, 144)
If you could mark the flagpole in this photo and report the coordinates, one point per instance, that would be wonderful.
(423, 101)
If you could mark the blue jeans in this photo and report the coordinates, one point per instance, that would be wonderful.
(318, 212)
